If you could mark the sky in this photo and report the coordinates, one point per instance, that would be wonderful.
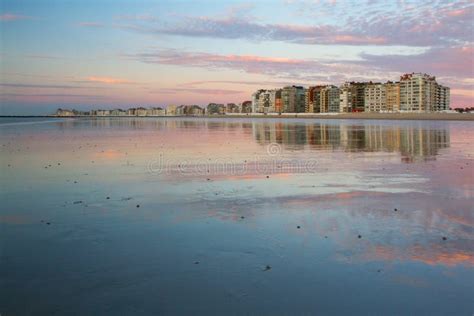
(121, 53)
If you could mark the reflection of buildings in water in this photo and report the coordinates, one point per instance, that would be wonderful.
(413, 143)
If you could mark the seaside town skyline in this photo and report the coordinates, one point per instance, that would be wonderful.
(123, 53)
(414, 92)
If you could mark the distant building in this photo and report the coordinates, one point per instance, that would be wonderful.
(246, 107)
(194, 110)
(118, 112)
(170, 110)
(102, 113)
(157, 111)
(141, 111)
(64, 112)
(215, 109)
(232, 108)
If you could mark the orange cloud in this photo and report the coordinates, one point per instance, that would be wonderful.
(108, 80)
(349, 39)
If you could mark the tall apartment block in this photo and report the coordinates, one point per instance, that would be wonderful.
(330, 99)
(293, 99)
(393, 96)
(417, 92)
(345, 98)
(442, 98)
(375, 97)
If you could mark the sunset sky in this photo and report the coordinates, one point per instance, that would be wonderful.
(114, 53)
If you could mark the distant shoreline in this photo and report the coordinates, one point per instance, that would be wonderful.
(343, 116)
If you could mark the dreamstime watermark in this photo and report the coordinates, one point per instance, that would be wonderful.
(272, 162)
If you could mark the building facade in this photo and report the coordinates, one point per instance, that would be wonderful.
(393, 96)
(442, 98)
(330, 99)
(345, 98)
(417, 92)
(375, 98)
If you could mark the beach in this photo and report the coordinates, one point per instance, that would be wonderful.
(210, 215)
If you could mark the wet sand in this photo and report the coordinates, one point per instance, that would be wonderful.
(236, 216)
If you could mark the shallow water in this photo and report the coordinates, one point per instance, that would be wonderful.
(259, 216)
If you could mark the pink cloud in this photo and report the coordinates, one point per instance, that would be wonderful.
(426, 24)
(108, 80)
(210, 92)
(8, 17)
(91, 24)
(350, 39)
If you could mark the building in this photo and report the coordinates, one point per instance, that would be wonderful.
(141, 111)
(189, 110)
(246, 107)
(232, 108)
(311, 94)
(442, 98)
(358, 95)
(65, 112)
(118, 112)
(215, 109)
(155, 112)
(316, 92)
(330, 99)
(345, 98)
(293, 99)
(375, 98)
(170, 110)
(417, 92)
(256, 102)
(393, 96)
(264, 101)
(278, 104)
(102, 113)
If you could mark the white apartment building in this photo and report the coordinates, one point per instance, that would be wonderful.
(375, 98)
(417, 92)
(345, 98)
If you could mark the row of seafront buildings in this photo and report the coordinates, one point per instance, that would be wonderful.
(170, 110)
(414, 92)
